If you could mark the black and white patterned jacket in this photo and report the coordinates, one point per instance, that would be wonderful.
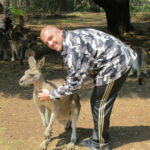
(89, 51)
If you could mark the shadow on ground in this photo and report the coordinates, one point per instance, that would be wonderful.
(119, 135)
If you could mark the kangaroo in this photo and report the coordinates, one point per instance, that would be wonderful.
(66, 109)
(139, 64)
(14, 45)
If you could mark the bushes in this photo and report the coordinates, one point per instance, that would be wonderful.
(139, 6)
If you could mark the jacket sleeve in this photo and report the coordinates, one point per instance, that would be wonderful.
(78, 64)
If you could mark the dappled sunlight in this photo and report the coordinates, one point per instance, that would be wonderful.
(70, 20)
(21, 127)
(11, 72)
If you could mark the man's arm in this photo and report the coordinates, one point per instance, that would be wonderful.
(77, 71)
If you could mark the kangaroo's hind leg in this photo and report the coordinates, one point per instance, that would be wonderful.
(74, 117)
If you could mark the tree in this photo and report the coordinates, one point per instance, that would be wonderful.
(117, 14)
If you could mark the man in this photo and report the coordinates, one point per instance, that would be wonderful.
(105, 58)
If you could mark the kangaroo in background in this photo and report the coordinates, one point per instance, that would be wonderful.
(66, 109)
(139, 64)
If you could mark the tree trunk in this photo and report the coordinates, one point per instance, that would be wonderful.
(117, 14)
(21, 21)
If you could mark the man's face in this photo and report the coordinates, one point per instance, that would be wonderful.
(53, 39)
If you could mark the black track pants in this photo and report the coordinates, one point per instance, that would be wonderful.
(102, 101)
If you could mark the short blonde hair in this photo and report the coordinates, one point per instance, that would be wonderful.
(48, 28)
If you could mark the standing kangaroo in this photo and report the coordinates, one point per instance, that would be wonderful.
(66, 109)
(139, 64)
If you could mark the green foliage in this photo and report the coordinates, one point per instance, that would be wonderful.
(85, 5)
(139, 6)
(96, 9)
(58, 7)
(18, 12)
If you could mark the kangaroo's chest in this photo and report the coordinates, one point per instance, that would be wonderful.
(48, 104)
(61, 107)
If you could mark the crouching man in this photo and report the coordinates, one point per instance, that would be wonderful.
(105, 58)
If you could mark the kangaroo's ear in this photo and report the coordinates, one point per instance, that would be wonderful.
(41, 63)
(31, 61)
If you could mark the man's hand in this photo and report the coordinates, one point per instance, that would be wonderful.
(44, 95)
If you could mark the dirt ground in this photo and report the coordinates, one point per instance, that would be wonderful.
(20, 123)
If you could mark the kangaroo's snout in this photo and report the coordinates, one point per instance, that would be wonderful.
(21, 83)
